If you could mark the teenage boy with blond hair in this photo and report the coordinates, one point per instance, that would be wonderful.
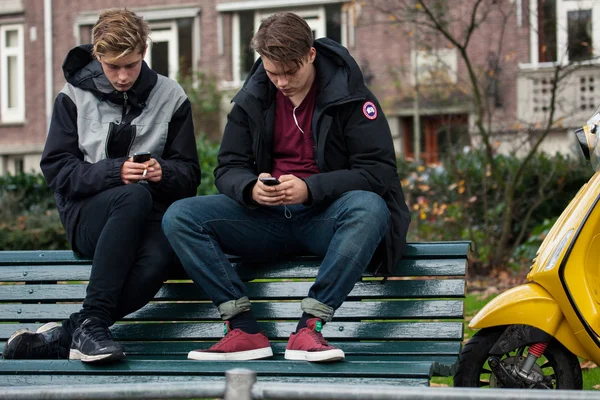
(112, 106)
(305, 117)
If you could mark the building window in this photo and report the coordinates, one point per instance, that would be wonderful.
(19, 165)
(547, 30)
(434, 66)
(579, 35)
(170, 49)
(324, 21)
(564, 30)
(439, 136)
(12, 74)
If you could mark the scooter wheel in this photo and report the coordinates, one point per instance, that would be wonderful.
(559, 366)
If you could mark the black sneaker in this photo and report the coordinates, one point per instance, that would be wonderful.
(48, 342)
(92, 342)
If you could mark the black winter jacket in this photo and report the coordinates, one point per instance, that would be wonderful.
(94, 129)
(353, 152)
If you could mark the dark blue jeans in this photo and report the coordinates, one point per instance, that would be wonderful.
(345, 232)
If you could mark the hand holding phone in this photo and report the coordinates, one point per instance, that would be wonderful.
(142, 157)
(270, 181)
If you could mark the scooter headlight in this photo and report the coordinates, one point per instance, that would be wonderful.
(558, 250)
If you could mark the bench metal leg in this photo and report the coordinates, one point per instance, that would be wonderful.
(238, 384)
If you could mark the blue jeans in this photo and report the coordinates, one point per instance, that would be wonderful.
(345, 233)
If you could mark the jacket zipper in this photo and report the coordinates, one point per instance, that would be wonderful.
(124, 105)
(111, 128)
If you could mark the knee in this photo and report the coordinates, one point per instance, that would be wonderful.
(175, 217)
(369, 207)
(134, 199)
(155, 273)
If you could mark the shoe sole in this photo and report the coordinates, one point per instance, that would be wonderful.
(47, 326)
(315, 356)
(256, 354)
(99, 358)
(44, 328)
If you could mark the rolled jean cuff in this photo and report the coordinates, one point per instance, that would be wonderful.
(231, 308)
(316, 308)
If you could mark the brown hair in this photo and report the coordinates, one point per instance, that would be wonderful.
(283, 38)
(119, 31)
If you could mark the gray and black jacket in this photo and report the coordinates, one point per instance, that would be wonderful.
(95, 129)
(352, 151)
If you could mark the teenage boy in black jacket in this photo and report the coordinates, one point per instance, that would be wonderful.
(111, 204)
(305, 117)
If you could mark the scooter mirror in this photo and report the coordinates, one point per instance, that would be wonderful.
(582, 138)
(588, 139)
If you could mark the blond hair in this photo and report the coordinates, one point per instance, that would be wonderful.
(119, 31)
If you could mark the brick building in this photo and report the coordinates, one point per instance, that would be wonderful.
(212, 35)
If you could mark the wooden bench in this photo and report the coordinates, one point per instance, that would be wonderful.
(401, 332)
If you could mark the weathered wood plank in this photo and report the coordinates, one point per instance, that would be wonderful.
(405, 289)
(217, 368)
(350, 310)
(61, 380)
(172, 350)
(456, 249)
(277, 330)
(286, 269)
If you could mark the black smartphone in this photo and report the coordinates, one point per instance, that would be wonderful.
(270, 181)
(141, 157)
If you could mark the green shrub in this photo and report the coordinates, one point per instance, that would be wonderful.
(28, 216)
(205, 97)
(456, 200)
(207, 153)
(31, 190)
(34, 231)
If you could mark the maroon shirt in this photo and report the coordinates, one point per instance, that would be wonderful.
(293, 143)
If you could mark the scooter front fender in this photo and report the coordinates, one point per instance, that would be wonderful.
(529, 304)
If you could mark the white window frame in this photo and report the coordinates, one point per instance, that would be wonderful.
(314, 16)
(562, 9)
(426, 61)
(562, 35)
(14, 114)
(168, 33)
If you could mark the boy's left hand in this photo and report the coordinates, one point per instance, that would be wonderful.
(296, 191)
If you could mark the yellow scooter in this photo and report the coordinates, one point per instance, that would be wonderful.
(530, 336)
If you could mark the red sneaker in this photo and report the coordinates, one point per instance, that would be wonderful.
(236, 345)
(308, 344)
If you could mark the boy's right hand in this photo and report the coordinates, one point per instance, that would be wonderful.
(132, 172)
(267, 195)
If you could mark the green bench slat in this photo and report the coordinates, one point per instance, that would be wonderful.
(406, 268)
(50, 380)
(412, 250)
(278, 330)
(256, 290)
(284, 269)
(283, 368)
(352, 349)
(351, 310)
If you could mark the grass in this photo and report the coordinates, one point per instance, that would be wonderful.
(474, 303)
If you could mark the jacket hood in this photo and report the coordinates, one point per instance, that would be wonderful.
(338, 74)
(82, 70)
